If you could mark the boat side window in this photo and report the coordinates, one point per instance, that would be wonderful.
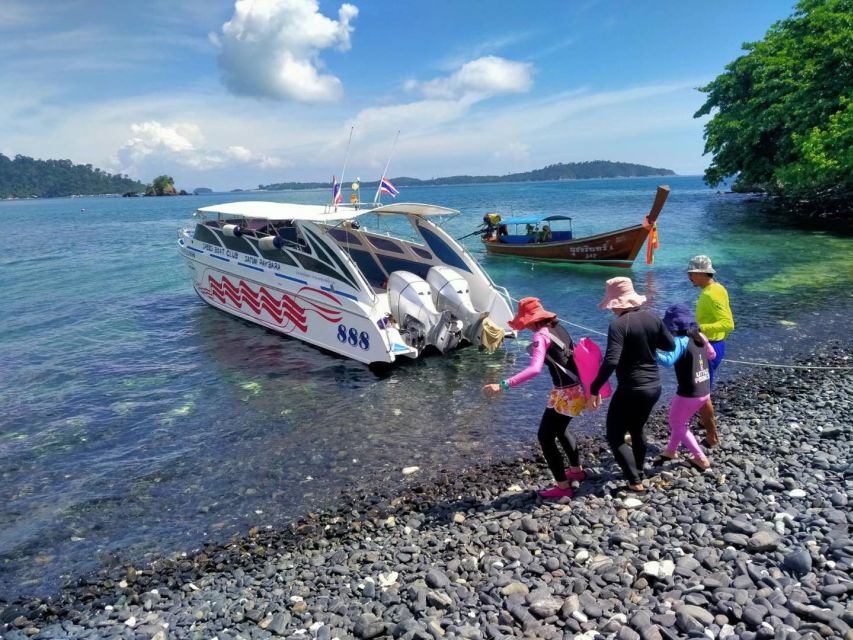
(423, 253)
(236, 243)
(374, 274)
(392, 263)
(203, 234)
(344, 236)
(329, 256)
(442, 250)
(312, 264)
(385, 244)
(291, 236)
(276, 255)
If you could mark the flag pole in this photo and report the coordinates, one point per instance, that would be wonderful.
(346, 157)
(387, 164)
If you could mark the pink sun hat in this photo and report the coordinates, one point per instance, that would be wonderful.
(619, 294)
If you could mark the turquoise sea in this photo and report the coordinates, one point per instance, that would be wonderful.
(138, 422)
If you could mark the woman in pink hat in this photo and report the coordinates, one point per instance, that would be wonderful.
(552, 346)
(633, 339)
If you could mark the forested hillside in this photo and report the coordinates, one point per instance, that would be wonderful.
(559, 171)
(24, 177)
(782, 113)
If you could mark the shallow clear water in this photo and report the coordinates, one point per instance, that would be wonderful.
(139, 421)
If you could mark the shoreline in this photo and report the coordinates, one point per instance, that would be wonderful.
(475, 553)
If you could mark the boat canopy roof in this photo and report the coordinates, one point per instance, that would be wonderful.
(532, 219)
(414, 208)
(259, 209)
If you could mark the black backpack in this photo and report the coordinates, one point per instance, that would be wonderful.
(562, 338)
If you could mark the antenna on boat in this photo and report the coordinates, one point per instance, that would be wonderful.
(382, 177)
(338, 186)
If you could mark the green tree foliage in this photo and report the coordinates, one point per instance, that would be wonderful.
(783, 120)
(24, 177)
(559, 171)
(161, 186)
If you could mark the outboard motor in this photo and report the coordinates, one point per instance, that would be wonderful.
(419, 322)
(452, 293)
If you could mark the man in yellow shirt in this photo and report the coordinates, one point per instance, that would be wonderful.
(714, 316)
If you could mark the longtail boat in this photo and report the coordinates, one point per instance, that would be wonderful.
(614, 248)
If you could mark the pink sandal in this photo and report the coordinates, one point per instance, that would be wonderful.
(571, 474)
(555, 493)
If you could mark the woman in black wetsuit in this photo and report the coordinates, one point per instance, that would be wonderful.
(632, 340)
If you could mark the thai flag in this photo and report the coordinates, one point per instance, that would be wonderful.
(385, 186)
(337, 196)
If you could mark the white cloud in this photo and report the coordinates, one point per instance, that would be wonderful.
(16, 14)
(514, 152)
(180, 144)
(270, 49)
(484, 77)
(447, 137)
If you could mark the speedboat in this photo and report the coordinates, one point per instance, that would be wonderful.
(335, 277)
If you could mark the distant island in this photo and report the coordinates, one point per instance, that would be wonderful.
(559, 171)
(200, 190)
(24, 177)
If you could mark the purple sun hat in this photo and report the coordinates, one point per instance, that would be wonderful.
(679, 317)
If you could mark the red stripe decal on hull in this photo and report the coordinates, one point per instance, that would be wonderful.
(285, 311)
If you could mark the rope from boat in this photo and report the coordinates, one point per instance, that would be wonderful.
(727, 359)
(564, 321)
(786, 366)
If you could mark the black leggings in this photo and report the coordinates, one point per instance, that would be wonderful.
(628, 412)
(553, 428)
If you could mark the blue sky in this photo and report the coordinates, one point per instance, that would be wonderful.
(226, 94)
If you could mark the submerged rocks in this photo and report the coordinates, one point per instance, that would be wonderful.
(758, 549)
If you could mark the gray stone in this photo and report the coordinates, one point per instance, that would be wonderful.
(736, 539)
(698, 613)
(436, 578)
(546, 607)
(686, 622)
(368, 626)
(763, 541)
(798, 562)
(627, 633)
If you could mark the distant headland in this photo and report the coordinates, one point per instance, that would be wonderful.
(559, 171)
(24, 177)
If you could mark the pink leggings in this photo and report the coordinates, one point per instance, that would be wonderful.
(680, 412)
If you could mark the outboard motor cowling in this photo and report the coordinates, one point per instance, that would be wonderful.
(451, 292)
(419, 322)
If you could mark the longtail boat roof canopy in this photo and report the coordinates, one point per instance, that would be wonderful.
(533, 219)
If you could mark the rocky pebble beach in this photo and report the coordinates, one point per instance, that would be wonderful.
(759, 546)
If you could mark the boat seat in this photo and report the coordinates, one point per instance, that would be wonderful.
(561, 235)
(515, 239)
